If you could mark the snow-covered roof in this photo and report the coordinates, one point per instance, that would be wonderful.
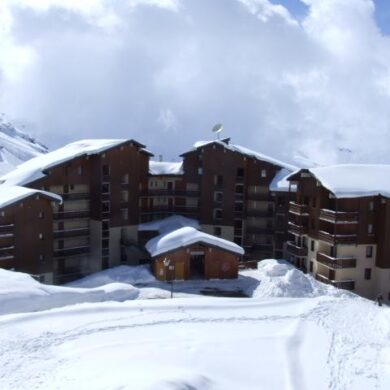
(280, 182)
(12, 194)
(169, 224)
(33, 169)
(165, 168)
(354, 180)
(245, 151)
(186, 236)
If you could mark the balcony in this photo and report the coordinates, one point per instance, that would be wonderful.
(238, 196)
(265, 196)
(259, 213)
(296, 250)
(298, 209)
(259, 230)
(6, 229)
(336, 262)
(334, 239)
(170, 192)
(71, 233)
(343, 284)
(68, 252)
(74, 196)
(297, 230)
(71, 215)
(339, 217)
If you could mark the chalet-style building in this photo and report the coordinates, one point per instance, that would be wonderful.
(26, 234)
(340, 227)
(235, 193)
(100, 183)
(109, 187)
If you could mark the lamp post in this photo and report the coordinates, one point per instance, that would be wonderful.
(169, 267)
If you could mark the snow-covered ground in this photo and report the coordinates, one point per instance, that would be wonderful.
(294, 333)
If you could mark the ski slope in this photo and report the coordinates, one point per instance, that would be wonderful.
(293, 333)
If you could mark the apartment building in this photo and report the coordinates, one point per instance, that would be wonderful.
(339, 229)
(99, 182)
(235, 193)
(26, 233)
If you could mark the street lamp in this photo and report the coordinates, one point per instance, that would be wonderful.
(169, 267)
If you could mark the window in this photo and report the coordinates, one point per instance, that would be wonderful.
(106, 207)
(42, 258)
(239, 206)
(218, 197)
(105, 225)
(371, 205)
(125, 214)
(311, 265)
(218, 180)
(263, 173)
(370, 228)
(124, 196)
(217, 213)
(200, 171)
(40, 235)
(312, 245)
(369, 251)
(105, 244)
(367, 273)
(80, 170)
(240, 172)
(2, 213)
(105, 188)
(217, 231)
(41, 215)
(239, 189)
(125, 178)
(314, 202)
(105, 170)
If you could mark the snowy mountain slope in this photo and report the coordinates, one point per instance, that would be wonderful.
(16, 146)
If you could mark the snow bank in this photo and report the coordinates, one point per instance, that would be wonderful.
(123, 274)
(19, 292)
(278, 278)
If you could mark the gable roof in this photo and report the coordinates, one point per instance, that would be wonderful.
(185, 236)
(244, 151)
(352, 180)
(13, 194)
(33, 169)
(280, 182)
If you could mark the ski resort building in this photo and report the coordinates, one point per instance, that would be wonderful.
(235, 193)
(108, 187)
(340, 227)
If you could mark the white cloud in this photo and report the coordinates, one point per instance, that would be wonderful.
(149, 68)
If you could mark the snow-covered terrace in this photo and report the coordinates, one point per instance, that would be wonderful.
(165, 168)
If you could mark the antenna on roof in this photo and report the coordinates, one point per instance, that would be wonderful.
(217, 129)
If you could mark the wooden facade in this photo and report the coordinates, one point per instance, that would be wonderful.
(341, 241)
(196, 261)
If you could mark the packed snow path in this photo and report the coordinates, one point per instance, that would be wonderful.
(199, 343)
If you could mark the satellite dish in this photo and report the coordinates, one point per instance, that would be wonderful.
(217, 129)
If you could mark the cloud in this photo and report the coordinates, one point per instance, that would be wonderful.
(165, 71)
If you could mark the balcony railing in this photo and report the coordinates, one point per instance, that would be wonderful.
(339, 217)
(75, 196)
(71, 215)
(299, 209)
(6, 229)
(4, 257)
(296, 250)
(259, 196)
(170, 192)
(335, 239)
(259, 213)
(343, 284)
(336, 262)
(67, 252)
(71, 233)
(259, 230)
(297, 229)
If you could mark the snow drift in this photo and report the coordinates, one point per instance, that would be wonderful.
(19, 292)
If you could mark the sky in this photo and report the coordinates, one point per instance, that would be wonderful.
(304, 81)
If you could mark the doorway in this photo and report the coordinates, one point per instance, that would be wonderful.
(197, 266)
